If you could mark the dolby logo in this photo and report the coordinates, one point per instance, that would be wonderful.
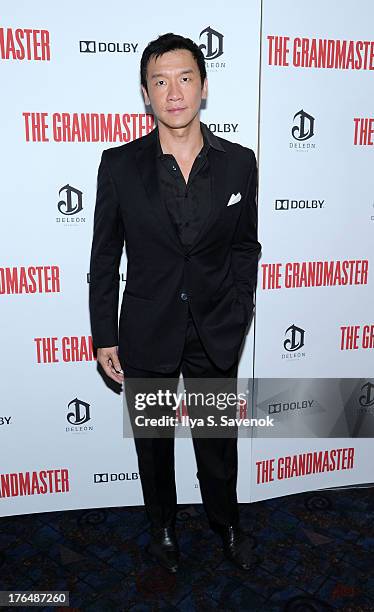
(288, 204)
(289, 406)
(93, 46)
(106, 477)
(223, 128)
(122, 277)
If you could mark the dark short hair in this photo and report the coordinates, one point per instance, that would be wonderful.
(170, 42)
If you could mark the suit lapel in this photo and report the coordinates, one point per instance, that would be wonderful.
(146, 158)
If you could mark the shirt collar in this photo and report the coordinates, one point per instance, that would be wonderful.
(210, 140)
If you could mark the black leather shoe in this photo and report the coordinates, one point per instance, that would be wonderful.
(237, 547)
(163, 547)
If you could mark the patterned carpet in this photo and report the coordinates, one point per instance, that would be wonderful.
(316, 553)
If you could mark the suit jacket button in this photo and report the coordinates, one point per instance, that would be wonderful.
(184, 296)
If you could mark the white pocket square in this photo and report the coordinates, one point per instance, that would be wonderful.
(234, 199)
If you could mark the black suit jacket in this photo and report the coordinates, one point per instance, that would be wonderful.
(218, 272)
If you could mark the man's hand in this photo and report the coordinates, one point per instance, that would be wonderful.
(108, 359)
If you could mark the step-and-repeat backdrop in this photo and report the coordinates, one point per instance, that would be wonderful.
(314, 325)
(290, 80)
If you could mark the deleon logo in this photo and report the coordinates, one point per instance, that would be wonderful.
(295, 339)
(303, 127)
(367, 398)
(212, 45)
(73, 201)
(80, 413)
(70, 204)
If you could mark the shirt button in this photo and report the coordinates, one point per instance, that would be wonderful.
(174, 168)
(184, 296)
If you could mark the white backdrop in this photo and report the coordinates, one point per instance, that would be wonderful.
(56, 412)
(315, 204)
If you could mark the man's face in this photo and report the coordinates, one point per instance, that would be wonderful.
(174, 88)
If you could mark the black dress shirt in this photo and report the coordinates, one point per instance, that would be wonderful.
(188, 204)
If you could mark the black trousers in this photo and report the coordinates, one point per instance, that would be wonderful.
(216, 457)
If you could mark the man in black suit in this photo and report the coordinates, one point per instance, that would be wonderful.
(184, 203)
